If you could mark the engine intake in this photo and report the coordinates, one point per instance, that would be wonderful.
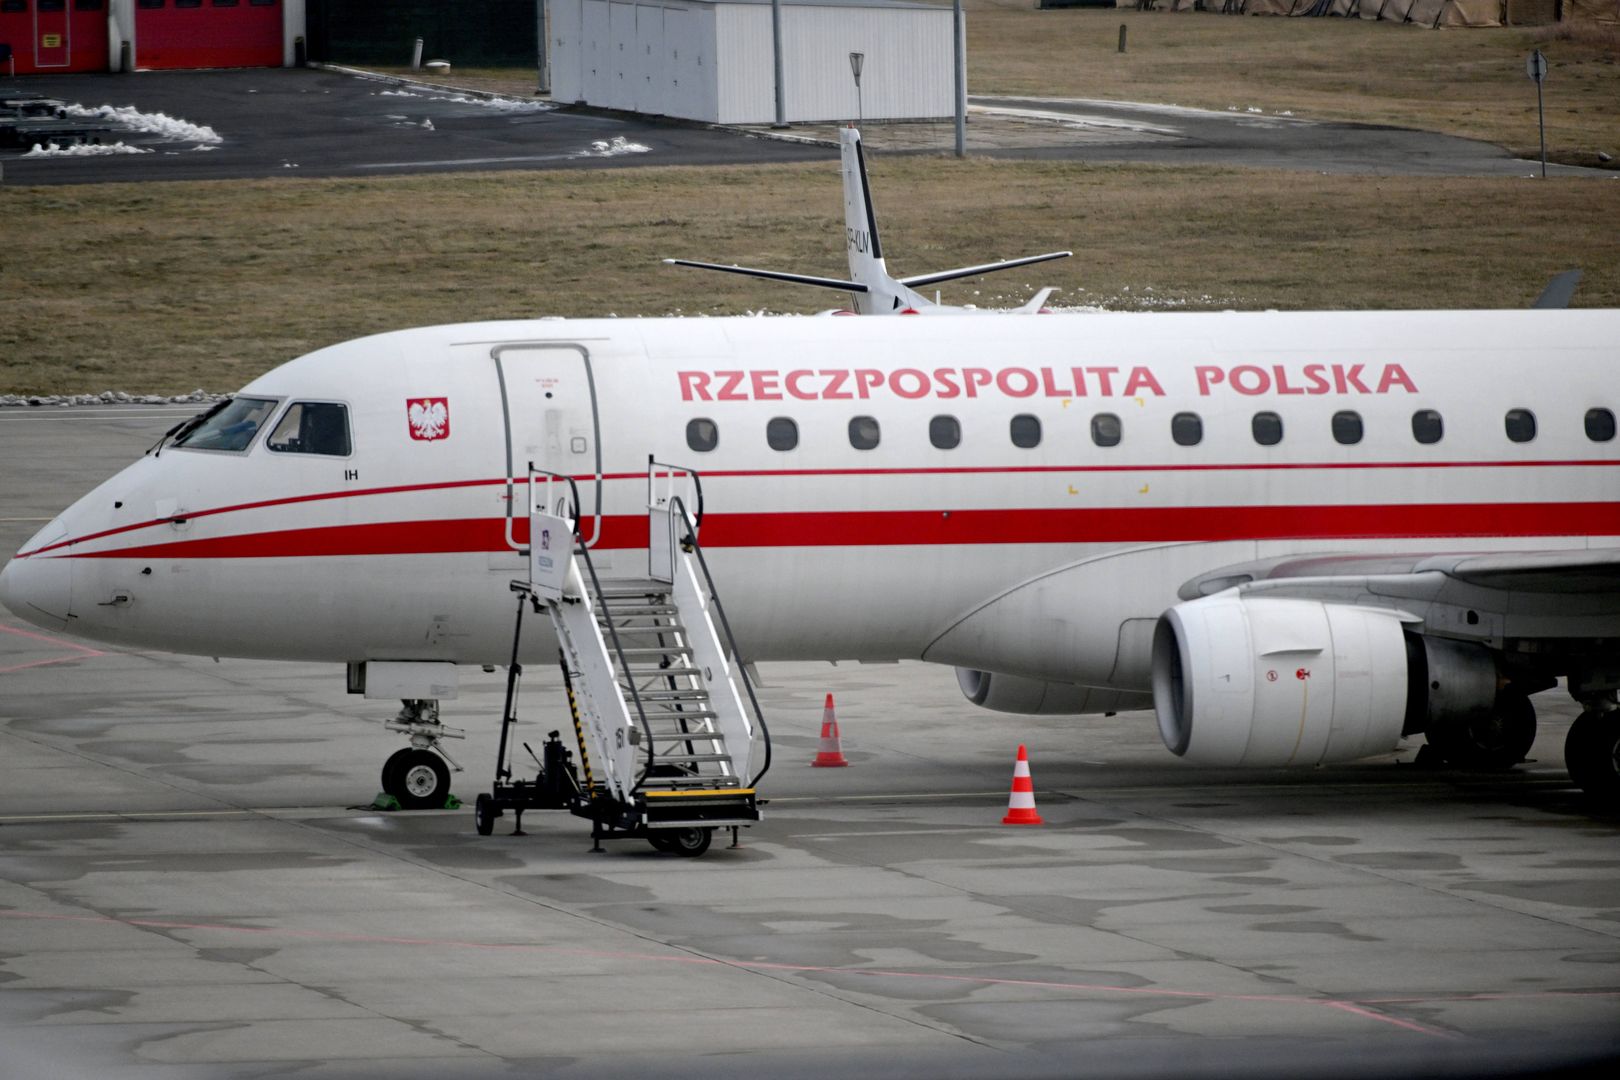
(1278, 681)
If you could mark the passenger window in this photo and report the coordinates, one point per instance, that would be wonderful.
(51, 5)
(261, 3)
(1267, 428)
(88, 5)
(188, 3)
(224, 3)
(1025, 431)
(782, 433)
(1599, 425)
(312, 427)
(945, 432)
(1187, 428)
(13, 5)
(1520, 425)
(702, 435)
(148, 4)
(1347, 428)
(1427, 427)
(1105, 429)
(864, 433)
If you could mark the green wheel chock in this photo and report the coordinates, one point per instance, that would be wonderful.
(451, 802)
(384, 801)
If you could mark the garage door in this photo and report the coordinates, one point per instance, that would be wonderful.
(54, 35)
(207, 33)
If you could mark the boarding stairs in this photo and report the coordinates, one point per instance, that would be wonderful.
(669, 729)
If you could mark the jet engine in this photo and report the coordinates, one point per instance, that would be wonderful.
(1269, 682)
(1017, 694)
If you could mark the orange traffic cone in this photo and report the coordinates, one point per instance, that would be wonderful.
(1021, 805)
(830, 754)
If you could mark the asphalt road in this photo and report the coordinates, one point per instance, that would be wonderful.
(279, 122)
(305, 122)
(187, 892)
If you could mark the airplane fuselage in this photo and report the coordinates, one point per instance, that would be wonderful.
(1022, 495)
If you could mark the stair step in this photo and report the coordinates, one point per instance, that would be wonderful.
(717, 783)
(625, 587)
(626, 608)
(695, 714)
(693, 694)
(659, 650)
(660, 628)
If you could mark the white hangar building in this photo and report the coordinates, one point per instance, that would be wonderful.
(712, 60)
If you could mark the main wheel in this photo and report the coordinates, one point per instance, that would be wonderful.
(1494, 741)
(421, 779)
(484, 814)
(690, 843)
(1592, 755)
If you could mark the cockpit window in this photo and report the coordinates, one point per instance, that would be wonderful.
(231, 428)
(312, 427)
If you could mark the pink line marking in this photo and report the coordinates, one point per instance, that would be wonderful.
(79, 651)
(756, 965)
(85, 649)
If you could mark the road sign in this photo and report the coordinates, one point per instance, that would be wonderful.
(1536, 66)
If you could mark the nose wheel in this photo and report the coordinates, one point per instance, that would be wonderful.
(418, 777)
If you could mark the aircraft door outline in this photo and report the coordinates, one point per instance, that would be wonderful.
(550, 414)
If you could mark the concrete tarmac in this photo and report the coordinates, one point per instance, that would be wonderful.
(187, 891)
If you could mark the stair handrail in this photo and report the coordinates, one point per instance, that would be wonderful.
(677, 504)
(653, 467)
(607, 614)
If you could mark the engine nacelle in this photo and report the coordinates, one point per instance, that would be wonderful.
(1036, 697)
(1278, 681)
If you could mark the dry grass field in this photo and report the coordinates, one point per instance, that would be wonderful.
(1464, 82)
(167, 287)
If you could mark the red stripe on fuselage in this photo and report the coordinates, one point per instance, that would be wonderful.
(1013, 470)
(887, 528)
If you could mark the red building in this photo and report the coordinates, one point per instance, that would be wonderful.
(102, 35)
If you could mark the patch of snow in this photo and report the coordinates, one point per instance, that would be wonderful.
(615, 148)
(160, 124)
(427, 124)
(500, 104)
(397, 93)
(51, 150)
(1254, 109)
(200, 146)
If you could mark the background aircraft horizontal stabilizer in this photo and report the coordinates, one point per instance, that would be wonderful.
(774, 275)
(985, 268)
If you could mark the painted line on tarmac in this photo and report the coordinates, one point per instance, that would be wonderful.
(80, 652)
(1357, 1009)
(125, 815)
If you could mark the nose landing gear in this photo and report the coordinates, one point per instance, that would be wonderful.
(418, 776)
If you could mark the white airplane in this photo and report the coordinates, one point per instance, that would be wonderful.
(1299, 537)
(872, 290)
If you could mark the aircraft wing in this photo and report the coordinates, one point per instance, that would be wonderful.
(774, 275)
(1490, 596)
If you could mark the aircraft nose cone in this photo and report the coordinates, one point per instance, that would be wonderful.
(39, 589)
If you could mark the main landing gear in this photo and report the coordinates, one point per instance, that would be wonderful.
(1592, 753)
(1491, 741)
(419, 776)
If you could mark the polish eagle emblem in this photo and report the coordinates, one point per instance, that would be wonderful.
(429, 418)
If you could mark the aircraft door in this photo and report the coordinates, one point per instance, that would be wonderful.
(548, 399)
